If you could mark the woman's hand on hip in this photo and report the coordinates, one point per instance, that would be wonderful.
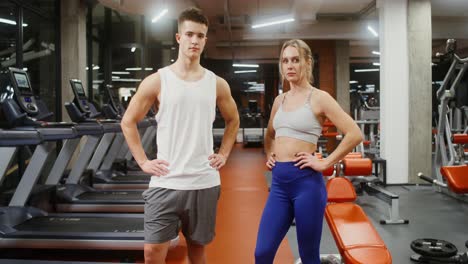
(305, 159)
(271, 161)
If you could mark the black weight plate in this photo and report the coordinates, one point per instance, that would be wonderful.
(434, 248)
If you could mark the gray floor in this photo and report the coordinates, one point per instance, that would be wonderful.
(431, 215)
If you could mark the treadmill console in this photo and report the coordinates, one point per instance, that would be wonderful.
(114, 98)
(24, 93)
(80, 96)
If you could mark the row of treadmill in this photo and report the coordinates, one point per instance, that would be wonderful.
(93, 205)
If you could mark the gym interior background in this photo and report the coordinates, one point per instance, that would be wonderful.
(120, 42)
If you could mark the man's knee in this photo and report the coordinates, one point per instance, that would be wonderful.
(156, 253)
(196, 253)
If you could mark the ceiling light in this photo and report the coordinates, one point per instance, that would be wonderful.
(376, 63)
(266, 24)
(156, 18)
(247, 71)
(376, 52)
(352, 82)
(127, 80)
(245, 65)
(120, 72)
(10, 22)
(366, 70)
(133, 49)
(372, 31)
(138, 69)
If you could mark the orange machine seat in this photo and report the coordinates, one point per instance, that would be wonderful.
(340, 190)
(460, 138)
(457, 178)
(353, 155)
(355, 236)
(357, 167)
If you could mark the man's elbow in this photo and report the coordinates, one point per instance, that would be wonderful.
(126, 122)
(233, 122)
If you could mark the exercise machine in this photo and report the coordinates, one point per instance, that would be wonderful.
(22, 226)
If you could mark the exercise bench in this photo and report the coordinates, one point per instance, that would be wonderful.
(355, 236)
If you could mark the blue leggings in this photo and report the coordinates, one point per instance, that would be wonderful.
(298, 194)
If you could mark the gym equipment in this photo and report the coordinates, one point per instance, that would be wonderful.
(28, 227)
(449, 178)
(434, 248)
(71, 196)
(367, 116)
(371, 185)
(112, 143)
(253, 131)
(356, 238)
(437, 251)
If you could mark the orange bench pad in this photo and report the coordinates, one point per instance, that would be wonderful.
(353, 155)
(357, 167)
(366, 255)
(457, 178)
(340, 190)
(355, 236)
(460, 138)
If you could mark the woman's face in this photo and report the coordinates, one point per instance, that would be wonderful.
(290, 64)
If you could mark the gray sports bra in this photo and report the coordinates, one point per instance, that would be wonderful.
(299, 124)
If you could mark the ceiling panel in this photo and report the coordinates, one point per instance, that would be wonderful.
(340, 6)
(450, 8)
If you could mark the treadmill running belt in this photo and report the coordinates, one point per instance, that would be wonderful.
(112, 196)
(131, 178)
(80, 225)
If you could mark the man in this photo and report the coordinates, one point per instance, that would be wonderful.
(185, 185)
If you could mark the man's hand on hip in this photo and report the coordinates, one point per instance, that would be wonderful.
(217, 160)
(155, 167)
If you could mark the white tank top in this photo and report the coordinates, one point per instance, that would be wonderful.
(185, 118)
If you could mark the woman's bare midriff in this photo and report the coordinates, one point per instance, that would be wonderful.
(285, 148)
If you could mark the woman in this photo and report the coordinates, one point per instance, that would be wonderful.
(297, 190)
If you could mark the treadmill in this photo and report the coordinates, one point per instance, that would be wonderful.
(71, 196)
(113, 144)
(28, 227)
(147, 125)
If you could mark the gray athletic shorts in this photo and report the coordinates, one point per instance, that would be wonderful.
(193, 210)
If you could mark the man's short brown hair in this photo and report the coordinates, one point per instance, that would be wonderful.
(192, 14)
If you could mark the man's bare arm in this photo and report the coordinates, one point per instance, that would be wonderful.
(142, 101)
(228, 110)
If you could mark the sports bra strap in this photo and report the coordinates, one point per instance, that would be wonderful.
(284, 98)
(309, 96)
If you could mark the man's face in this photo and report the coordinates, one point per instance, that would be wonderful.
(191, 38)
